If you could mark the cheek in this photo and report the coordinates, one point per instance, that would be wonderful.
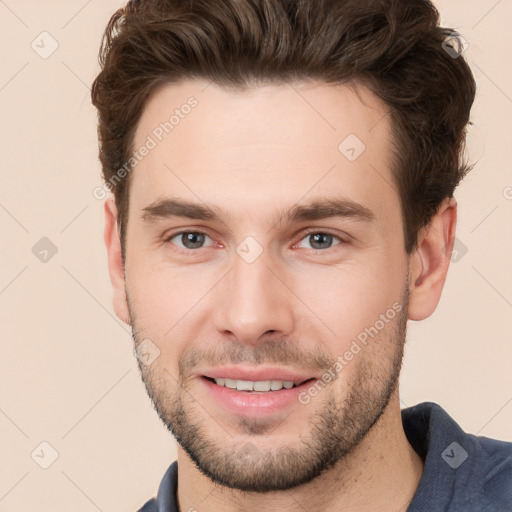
(346, 297)
(163, 296)
(351, 300)
(349, 297)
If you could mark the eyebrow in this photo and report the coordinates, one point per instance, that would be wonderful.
(315, 210)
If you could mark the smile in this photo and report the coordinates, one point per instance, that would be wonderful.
(254, 398)
(262, 386)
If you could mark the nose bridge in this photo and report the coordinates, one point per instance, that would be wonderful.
(254, 300)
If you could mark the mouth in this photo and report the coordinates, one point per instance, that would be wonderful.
(257, 386)
(256, 392)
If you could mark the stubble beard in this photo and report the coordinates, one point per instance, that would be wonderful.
(337, 428)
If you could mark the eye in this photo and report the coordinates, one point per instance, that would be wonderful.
(189, 239)
(320, 240)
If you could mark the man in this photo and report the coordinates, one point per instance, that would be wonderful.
(282, 176)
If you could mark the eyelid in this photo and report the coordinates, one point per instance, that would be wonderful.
(167, 238)
(311, 231)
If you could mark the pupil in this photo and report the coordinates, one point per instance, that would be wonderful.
(192, 240)
(321, 236)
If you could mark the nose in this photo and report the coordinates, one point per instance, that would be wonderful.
(253, 301)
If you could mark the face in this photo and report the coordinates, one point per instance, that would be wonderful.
(265, 249)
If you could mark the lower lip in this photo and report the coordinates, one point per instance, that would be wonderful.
(255, 404)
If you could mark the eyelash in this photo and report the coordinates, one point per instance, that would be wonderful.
(305, 235)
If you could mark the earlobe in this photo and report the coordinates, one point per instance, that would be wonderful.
(428, 265)
(115, 263)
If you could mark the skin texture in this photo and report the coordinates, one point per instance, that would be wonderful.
(299, 305)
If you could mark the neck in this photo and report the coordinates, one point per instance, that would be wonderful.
(381, 473)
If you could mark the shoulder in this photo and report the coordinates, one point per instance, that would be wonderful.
(149, 506)
(462, 471)
(492, 471)
(165, 500)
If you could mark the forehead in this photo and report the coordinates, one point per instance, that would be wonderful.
(262, 146)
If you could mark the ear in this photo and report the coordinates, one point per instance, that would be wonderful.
(115, 262)
(428, 265)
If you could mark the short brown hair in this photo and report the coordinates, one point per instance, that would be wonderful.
(394, 47)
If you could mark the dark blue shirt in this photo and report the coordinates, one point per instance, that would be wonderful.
(462, 473)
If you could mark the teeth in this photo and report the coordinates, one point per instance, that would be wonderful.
(259, 385)
(230, 383)
(275, 385)
(262, 385)
(244, 385)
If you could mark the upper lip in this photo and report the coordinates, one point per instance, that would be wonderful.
(254, 374)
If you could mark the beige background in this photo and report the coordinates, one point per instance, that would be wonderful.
(68, 375)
